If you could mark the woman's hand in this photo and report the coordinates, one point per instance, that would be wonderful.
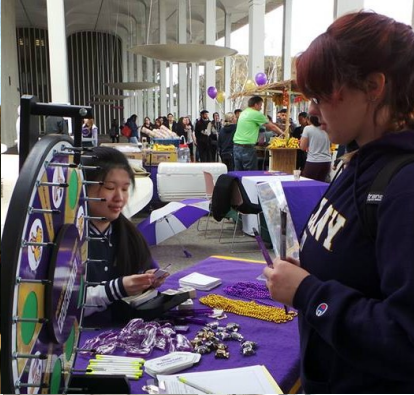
(283, 279)
(138, 283)
(157, 281)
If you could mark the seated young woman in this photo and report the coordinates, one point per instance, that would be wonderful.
(119, 255)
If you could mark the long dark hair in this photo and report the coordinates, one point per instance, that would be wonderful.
(133, 254)
(354, 46)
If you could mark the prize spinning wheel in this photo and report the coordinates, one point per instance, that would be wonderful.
(44, 250)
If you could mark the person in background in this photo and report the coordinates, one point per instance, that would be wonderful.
(171, 124)
(147, 125)
(237, 113)
(315, 142)
(132, 123)
(247, 133)
(114, 131)
(158, 123)
(281, 119)
(121, 260)
(354, 290)
(225, 140)
(213, 130)
(89, 133)
(56, 125)
(297, 133)
(184, 129)
(202, 140)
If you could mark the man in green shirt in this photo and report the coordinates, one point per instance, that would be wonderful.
(247, 133)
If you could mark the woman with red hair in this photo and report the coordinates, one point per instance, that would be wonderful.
(354, 291)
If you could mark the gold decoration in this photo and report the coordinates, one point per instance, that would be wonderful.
(248, 309)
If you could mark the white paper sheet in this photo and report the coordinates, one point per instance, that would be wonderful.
(248, 380)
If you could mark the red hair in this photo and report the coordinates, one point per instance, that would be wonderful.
(354, 46)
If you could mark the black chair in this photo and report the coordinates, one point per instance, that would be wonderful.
(230, 200)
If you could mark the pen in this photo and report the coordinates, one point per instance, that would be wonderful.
(283, 226)
(193, 385)
(128, 375)
(265, 253)
(263, 248)
(119, 358)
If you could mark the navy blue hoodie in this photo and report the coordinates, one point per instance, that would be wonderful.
(357, 306)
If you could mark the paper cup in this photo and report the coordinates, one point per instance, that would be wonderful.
(296, 175)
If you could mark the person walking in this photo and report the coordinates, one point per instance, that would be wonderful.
(353, 288)
(132, 124)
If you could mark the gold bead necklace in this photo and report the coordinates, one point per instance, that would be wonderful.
(248, 309)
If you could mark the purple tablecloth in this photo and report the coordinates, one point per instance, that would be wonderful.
(302, 197)
(250, 173)
(278, 344)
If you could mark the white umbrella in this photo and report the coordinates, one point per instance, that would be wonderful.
(171, 219)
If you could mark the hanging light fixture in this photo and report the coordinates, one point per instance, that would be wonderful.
(181, 53)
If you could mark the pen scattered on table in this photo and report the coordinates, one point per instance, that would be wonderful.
(193, 385)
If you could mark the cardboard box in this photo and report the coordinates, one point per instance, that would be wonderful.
(131, 151)
(162, 156)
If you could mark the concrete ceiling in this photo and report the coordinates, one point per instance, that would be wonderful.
(123, 16)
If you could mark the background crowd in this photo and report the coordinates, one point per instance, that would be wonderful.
(233, 139)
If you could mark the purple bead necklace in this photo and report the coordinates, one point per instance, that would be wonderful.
(248, 290)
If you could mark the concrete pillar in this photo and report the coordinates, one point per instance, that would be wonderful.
(58, 54)
(139, 94)
(130, 102)
(171, 89)
(125, 70)
(195, 90)
(9, 73)
(342, 7)
(156, 91)
(287, 41)
(163, 65)
(210, 38)
(256, 36)
(227, 62)
(182, 67)
(150, 92)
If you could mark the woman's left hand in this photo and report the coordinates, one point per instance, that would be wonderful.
(283, 279)
(158, 281)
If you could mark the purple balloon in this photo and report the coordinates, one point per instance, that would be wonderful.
(212, 92)
(261, 78)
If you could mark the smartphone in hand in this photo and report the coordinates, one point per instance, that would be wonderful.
(160, 272)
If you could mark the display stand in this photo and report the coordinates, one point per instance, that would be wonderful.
(283, 159)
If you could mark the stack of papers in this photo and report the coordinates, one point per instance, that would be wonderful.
(171, 363)
(138, 300)
(248, 380)
(200, 281)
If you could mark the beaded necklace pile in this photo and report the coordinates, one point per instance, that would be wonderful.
(248, 309)
(248, 290)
